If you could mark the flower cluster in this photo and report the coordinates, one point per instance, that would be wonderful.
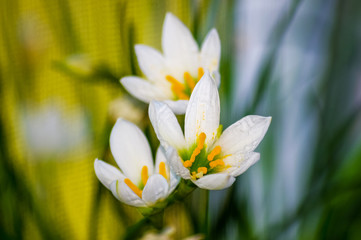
(182, 80)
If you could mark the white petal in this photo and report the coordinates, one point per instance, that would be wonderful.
(165, 125)
(173, 179)
(241, 164)
(152, 64)
(244, 135)
(178, 107)
(131, 150)
(124, 194)
(155, 190)
(217, 78)
(179, 46)
(215, 181)
(160, 157)
(176, 164)
(173, 183)
(211, 51)
(144, 90)
(203, 110)
(106, 173)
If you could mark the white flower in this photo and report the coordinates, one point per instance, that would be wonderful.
(51, 133)
(139, 183)
(211, 160)
(172, 76)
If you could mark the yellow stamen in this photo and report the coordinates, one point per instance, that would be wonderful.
(134, 188)
(200, 73)
(202, 169)
(189, 80)
(215, 163)
(201, 139)
(162, 170)
(177, 87)
(187, 163)
(144, 175)
(196, 151)
(215, 152)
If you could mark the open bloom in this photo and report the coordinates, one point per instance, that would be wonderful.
(209, 158)
(139, 183)
(171, 77)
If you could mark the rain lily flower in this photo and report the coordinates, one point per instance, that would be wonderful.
(206, 156)
(171, 77)
(140, 183)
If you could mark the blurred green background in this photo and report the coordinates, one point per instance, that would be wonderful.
(297, 61)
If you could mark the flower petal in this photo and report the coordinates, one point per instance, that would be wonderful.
(215, 181)
(203, 110)
(106, 173)
(165, 125)
(178, 107)
(172, 177)
(152, 64)
(241, 164)
(176, 164)
(217, 78)
(131, 150)
(179, 46)
(155, 190)
(144, 90)
(211, 51)
(124, 194)
(244, 135)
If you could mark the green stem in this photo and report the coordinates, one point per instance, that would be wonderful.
(206, 216)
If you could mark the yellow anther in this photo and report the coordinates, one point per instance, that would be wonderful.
(187, 163)
(134, 188)
(197, 150)
(200, 73)
(215, 163)
(144, 175)
(201, 139)
(177, 87)
(162, 170)
(202, 169)
(189, 80)
(217, 150)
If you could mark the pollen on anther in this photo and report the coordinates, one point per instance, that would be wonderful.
(144, 175)
(187, 163)
(217, 150)
(162, 170)
(134, 188)
(202, 169)
(177, 87)
(215, 163)
(197, 150)
(189, 80)
(200, 73)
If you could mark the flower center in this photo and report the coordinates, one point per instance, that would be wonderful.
(202, 162)
(183, 91)
(144, 177)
